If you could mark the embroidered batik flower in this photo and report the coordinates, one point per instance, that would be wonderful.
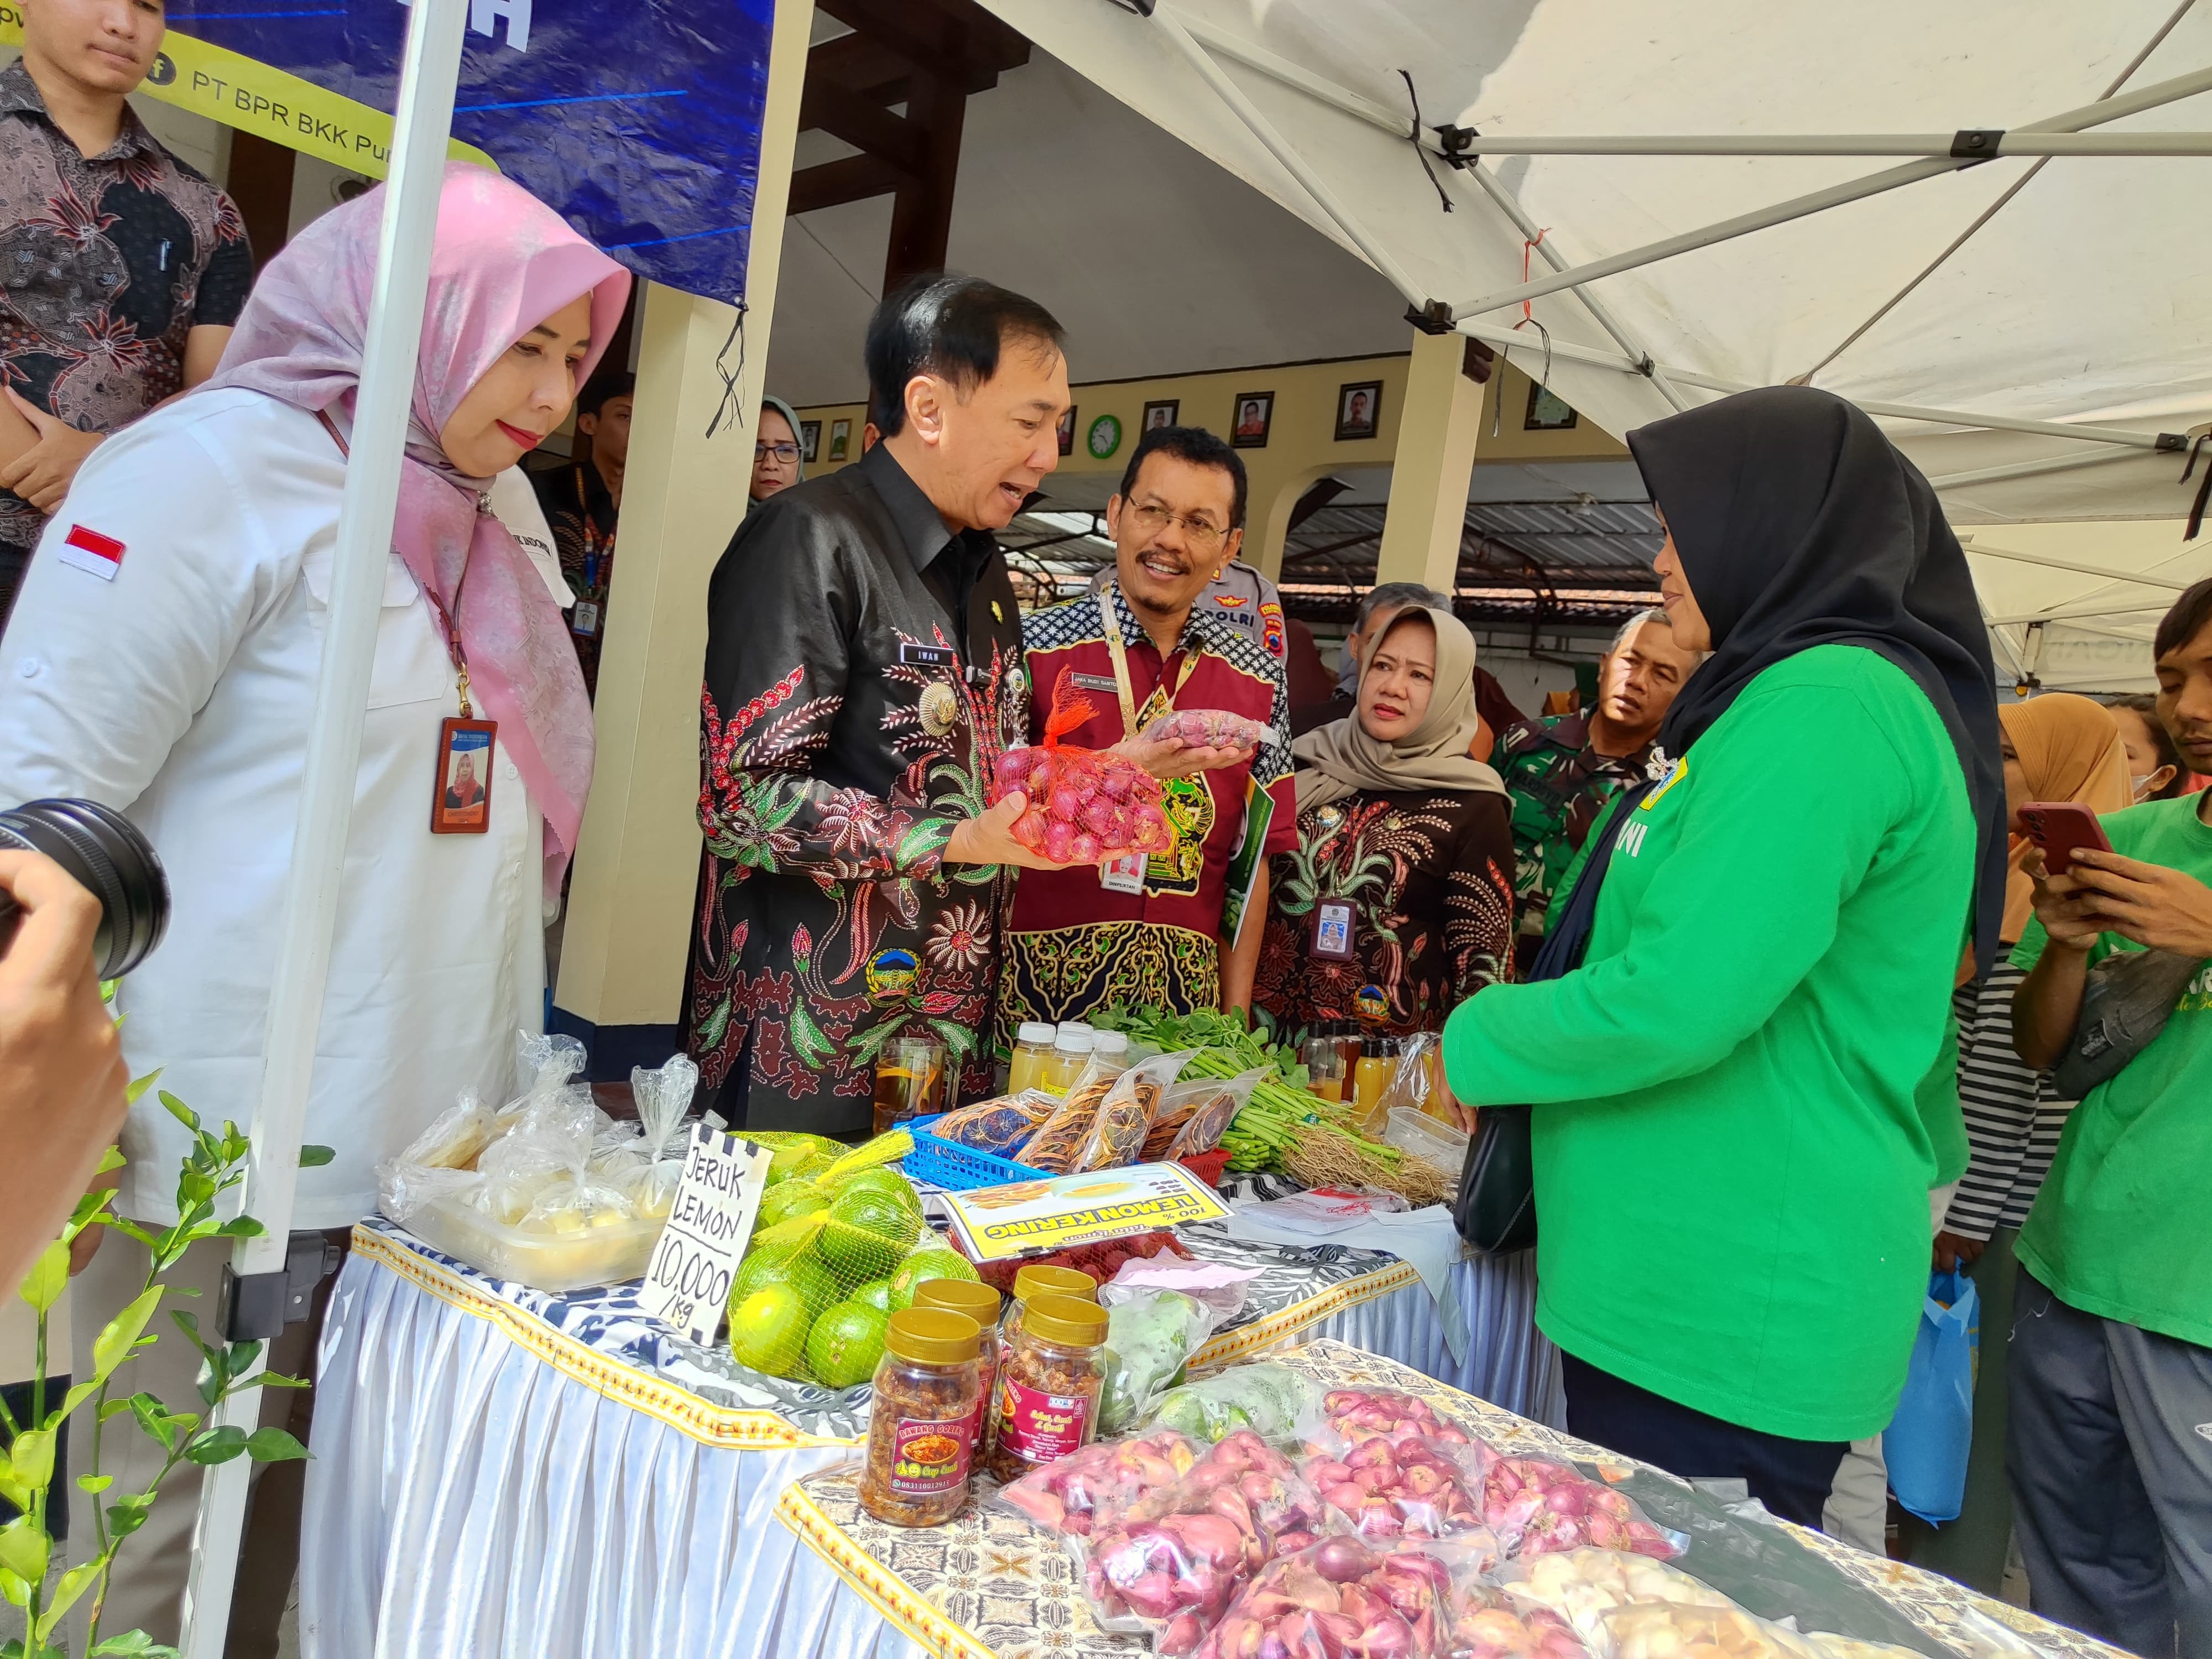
(960, 937)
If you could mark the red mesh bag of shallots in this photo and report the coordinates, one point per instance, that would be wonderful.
(1084, 804)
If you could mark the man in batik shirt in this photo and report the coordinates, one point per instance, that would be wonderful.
(1158, 931)
(1561, 769)
(863, 672)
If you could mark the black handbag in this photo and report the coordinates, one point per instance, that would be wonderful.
(1496, 1209)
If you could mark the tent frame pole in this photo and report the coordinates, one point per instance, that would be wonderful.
(2028, 468)
(1992, 145)
(1799, 207)
(430, 74)
(2071, 612)
(2122, 577)
(1602, 359)
(1311, 182)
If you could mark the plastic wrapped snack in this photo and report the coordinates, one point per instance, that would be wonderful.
(1537, 1507)
(1149, 1336)
(1117, 1131)
(663, 1094)
(1053, 1149)
(1344, 1598)
(1001, 1126)
(1358, 1414)
(1673, 1630)
(549, 1062)
(1207, 728)
(1193, 1116)
(1083, 804)
(454, 1139)
(1581, 1586)
(1411, 1487)
(575, 1207)
(1105, 1476)
(1171, 1562)
(1273, 1401)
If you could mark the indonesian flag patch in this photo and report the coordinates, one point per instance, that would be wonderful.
(87, 549)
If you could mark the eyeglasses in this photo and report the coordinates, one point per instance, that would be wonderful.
(1203, 534)
(785, 453)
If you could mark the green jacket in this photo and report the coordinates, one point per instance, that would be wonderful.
(1739, 1103)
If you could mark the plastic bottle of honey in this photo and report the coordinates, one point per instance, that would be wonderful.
(1032, 1054)
(1372, 1075)
(1070, 1053)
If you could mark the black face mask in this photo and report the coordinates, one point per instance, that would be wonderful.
(1799, 524)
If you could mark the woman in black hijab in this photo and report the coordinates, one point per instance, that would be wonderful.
(1741, 1095)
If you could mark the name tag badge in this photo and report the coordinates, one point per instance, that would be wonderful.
(586, 619)
(460, 804)
(1094, 682)
(1124, 875)
(1332, 930)
(927, 656)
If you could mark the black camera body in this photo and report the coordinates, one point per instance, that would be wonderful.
(110, 859)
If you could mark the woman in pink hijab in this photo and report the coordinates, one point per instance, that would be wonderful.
(163, 659)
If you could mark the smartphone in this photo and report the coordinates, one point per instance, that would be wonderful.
(2062, 829)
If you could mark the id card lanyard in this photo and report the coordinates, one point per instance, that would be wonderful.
(460, 792)
(1126, 874)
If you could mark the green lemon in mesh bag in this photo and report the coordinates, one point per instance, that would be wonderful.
(877, 1294)
(792, 1150)
(845, 1343)
(808, 1278)
(867, 1234)
(934, 1262)
(769, 1330)
(792, 1198)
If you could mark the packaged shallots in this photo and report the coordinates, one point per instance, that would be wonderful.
(1358, 1414)
(1489, 1626)
(1344, 1598)
(1583, 1585)
(1539, 1507)
(1411, 1486)
(1084, 804)
(1207, 728)
(1172, 1561)
(1067, 1495)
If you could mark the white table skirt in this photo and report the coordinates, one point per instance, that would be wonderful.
(483, 1486)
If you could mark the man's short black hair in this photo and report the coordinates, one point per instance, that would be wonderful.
(1200, 447)
(953, 327)
(607, 383)
(2188, 618)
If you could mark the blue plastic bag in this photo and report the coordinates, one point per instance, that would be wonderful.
(1927, 1442)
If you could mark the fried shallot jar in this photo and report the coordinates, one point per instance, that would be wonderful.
(921, 1425)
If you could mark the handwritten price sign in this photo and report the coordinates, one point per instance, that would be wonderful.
(688, 1281)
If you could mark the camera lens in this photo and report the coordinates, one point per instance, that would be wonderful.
(104, 851)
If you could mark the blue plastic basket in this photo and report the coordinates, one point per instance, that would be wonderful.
(955, 1167)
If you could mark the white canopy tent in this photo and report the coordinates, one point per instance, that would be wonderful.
(1690, 197)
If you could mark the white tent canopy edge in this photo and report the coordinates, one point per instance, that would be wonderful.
(2049, 320)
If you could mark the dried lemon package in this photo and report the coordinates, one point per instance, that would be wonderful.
(1118, 1128)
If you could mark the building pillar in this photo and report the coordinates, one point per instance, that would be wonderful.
(1440, 418)
(637, 860)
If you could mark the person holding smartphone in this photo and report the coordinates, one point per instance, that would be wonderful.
(2109, 1446)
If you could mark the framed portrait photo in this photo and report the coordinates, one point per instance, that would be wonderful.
(810, 438)
(1163, 413)
(1067, 430)
(1548, 411)
(1250, 416)
(841, 439)
(1359, 409)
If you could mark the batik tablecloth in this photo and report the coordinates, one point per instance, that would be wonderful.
(498, 1471)
(990, 1584)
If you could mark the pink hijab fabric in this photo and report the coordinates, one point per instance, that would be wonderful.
(503, 262)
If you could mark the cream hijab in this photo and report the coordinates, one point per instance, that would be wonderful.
(1340, 759)
(2071, 750)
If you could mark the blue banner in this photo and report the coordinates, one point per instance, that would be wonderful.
(639, 121)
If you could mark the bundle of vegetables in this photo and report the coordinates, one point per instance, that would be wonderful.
(1538, 1507)
(1106, 1475)
(1083, 804)
(1171, 1562)
(1342, 1600)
